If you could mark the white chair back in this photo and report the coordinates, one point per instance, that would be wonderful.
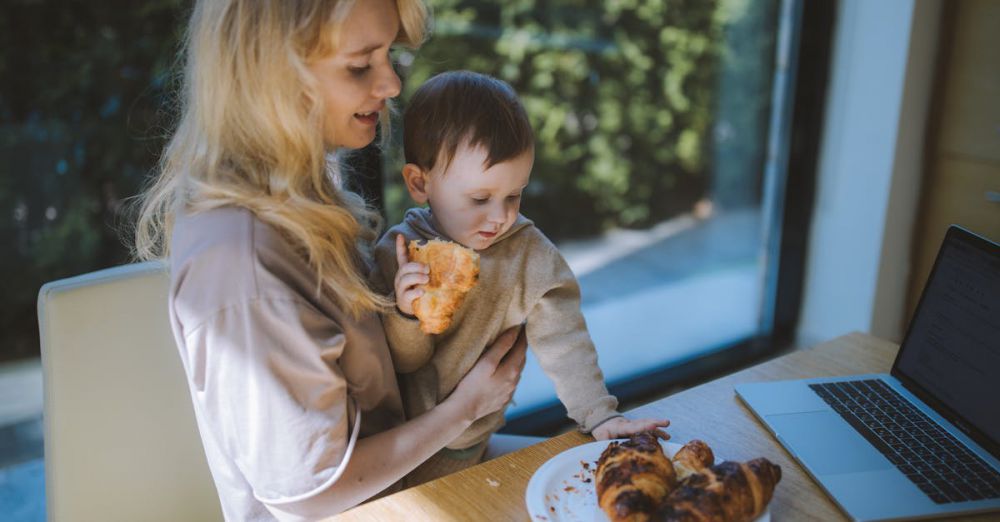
(121, 442)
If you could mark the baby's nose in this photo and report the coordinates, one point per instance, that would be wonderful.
(497, 214)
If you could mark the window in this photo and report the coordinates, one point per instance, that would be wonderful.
(662, 134)
(663, 127)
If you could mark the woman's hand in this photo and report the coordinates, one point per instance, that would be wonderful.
(622, 427)
(384, 457)
(408, 276)
(490, 384)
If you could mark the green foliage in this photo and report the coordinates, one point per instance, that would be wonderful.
(82, 87)
(621, 95)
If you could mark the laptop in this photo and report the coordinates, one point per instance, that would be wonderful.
(924, 440)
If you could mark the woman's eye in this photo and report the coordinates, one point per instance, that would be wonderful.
(359, 71)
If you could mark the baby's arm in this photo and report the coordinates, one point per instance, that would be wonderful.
(411, 349)
(557, 334)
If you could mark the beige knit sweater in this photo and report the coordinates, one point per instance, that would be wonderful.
(522, 279)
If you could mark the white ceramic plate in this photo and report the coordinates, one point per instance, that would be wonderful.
(562, 489)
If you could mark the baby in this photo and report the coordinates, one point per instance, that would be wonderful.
(469, 149)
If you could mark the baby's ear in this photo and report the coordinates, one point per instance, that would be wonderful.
(416, 182)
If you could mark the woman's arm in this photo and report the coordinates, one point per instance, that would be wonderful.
(384, 458)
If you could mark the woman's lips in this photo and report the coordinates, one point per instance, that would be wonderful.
(368, 118)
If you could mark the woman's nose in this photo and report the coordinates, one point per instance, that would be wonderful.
(388, 84)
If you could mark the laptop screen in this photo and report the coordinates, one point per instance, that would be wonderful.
(952, 350)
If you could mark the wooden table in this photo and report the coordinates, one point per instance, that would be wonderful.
(494, 490)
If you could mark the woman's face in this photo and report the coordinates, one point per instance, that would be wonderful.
(357, 79)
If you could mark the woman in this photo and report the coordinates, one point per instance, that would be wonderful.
(293, 388)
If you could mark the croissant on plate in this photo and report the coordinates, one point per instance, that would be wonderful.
(454, 270)
(633, 477)
(692, 458)
(637, 482)
(730, 492)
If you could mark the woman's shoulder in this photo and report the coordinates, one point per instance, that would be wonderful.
(227, 256)
(223, 237)
(222, 227)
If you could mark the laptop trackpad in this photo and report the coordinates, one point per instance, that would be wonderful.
(826, 443)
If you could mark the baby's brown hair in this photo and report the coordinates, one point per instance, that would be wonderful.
(464, 107)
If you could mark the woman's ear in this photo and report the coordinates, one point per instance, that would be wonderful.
(416, 180)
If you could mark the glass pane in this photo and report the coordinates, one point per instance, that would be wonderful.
(651, 122)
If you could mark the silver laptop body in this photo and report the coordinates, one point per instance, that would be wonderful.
(924, 440)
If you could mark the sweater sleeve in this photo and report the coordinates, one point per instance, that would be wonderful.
(410, 348)
(557, 334)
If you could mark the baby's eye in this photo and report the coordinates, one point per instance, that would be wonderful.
(514, 197)
(480, 201)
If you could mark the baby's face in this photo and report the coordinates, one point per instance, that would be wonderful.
(475, 205)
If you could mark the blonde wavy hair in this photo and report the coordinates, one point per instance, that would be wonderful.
(249, 135)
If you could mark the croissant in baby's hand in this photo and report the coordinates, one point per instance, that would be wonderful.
(454, 270)
(726, 492)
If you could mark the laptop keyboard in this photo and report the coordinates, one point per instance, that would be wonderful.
(929, 456)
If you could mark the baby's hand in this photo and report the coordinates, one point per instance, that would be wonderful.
(408, 276)
(622, 427)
